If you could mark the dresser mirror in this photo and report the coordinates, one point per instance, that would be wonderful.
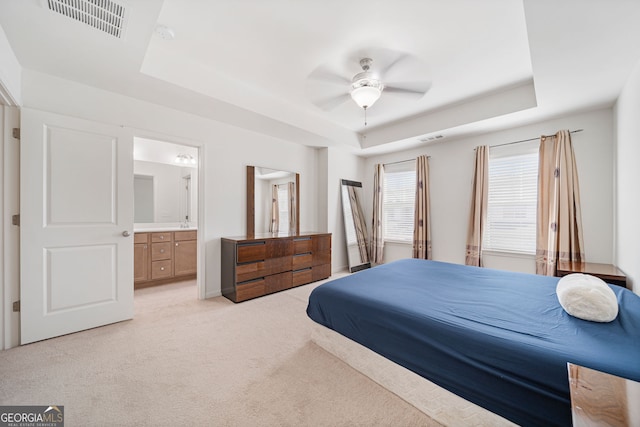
(273, 201)
(355, 226)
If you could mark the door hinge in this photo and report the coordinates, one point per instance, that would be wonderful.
(16, 306)
(16, 133)
(15, 220)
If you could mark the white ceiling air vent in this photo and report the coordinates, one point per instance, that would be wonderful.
(104, 15)
(431, 138)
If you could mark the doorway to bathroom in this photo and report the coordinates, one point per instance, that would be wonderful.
(165, 217)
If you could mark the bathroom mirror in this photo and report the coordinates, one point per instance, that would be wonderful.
(164, 193)
(355, 226)
(273, 201)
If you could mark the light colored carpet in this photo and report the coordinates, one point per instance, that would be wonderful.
(200, 363)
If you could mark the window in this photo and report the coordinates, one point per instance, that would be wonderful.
(512, 199)
(399, 194)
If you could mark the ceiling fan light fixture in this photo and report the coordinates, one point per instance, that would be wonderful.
(365, 95)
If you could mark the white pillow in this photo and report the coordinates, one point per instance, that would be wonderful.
(587, 297)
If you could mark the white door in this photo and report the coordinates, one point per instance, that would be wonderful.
(76, 206)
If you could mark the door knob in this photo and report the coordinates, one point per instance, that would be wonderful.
(125, 233)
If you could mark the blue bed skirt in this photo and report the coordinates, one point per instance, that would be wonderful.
(498, 339)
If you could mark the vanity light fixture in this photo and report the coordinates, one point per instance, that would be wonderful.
(185, 159)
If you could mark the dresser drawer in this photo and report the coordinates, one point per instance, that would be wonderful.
(160, 251)
(322, 243)
(248, 290)
(185, 235)
(320, 258)
(302, 261)
(161, 269)
(140, 238)
(302, 246)
(249, 271)
(278, 282)
(302, 277)
(278, 265)
(161, 237)
(278, 248)
(320, 272)
(252, 252)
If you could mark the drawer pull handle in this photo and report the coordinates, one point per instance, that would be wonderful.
(161, 268)
(177, 244)
(161, 251)
(161, 237)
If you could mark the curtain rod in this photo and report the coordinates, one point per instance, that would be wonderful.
(402, 161)
(531, 139)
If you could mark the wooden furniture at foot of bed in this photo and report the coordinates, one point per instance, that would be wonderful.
(607, 272)
(253, 267)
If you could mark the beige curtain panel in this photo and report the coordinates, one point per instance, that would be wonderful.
(275, 212)
(291, 196)
(559, 228)
(377, 238)
(422, 214)
(359, 223)
(478, 214)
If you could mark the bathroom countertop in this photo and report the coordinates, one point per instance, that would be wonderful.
(160, 229)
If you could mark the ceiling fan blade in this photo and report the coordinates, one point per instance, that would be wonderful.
(389, 68)
(417, 89)
(328, 104)
(325, 75)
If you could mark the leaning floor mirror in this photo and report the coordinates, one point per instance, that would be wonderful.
(355, 226)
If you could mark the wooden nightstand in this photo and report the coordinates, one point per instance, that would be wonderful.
(607, 272)
(600, 399)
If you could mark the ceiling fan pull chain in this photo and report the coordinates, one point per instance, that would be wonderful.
(365, 115)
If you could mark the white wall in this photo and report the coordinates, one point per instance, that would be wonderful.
(335, 165)
(627, 179)
(226, 152)
(451, 168)
(10, 74)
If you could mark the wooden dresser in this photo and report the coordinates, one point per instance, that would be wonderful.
(253, 267)
(163, 257)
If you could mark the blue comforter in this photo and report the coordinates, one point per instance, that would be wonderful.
(498, 339)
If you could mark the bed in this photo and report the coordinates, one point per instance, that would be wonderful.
(497, 339)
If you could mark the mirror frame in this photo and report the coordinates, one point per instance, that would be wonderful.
(353, 265)
(251, 202)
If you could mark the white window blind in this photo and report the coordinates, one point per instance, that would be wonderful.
(512, 199)
(399, 194)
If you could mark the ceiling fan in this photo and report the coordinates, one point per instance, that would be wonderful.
(398, 74)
